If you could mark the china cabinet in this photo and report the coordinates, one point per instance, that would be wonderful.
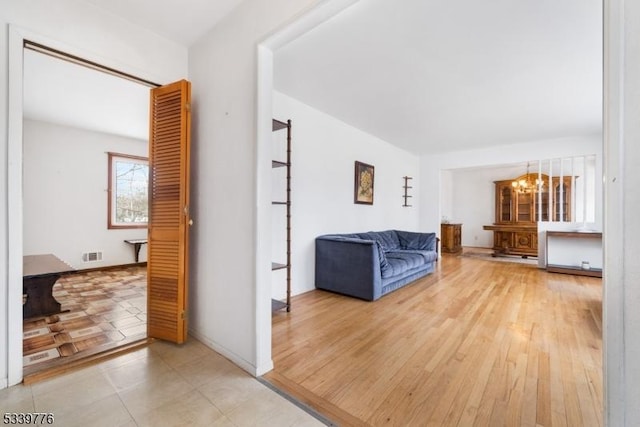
(520, 204)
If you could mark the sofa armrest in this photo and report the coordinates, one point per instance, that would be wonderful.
(349, 266)
(419, 241)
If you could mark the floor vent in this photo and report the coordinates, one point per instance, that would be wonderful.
(92, 256)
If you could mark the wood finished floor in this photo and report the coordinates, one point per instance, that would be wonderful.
(476, 343)
(103, 310)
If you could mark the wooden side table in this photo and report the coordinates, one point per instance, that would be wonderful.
(137, 244)
(451, 235)
(40, 273)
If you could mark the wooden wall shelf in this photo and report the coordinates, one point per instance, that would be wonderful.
(278, 125)
(406, 188)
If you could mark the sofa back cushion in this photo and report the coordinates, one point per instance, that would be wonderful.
(388, 240)
(419, 241)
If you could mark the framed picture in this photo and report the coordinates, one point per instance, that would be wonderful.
(363, 189)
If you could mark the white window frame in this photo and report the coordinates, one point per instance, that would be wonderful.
(114, 159)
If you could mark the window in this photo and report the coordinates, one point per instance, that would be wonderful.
(128, 191)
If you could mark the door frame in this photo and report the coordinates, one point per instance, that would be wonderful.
(15, 238)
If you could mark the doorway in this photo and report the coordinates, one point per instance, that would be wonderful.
(76, 115)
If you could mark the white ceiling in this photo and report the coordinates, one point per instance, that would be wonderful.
(425, 75)
(433, 76)
(183, 21)
(58, 91)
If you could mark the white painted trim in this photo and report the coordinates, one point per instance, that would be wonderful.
(613, 306)
(264, 115)
(233, 357)
(307, 21)
(14, 202)
(17, 36)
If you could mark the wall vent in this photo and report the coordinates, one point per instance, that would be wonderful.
(92, 256)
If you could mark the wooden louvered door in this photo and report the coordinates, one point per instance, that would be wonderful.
(167, 265)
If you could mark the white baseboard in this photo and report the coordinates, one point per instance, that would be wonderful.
(233, 357)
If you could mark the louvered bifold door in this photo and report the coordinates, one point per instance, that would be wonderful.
(167, 263)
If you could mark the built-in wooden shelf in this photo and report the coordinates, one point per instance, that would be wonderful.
(278, 164)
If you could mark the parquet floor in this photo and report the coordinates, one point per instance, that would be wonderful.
(101, 311)
(476, 343)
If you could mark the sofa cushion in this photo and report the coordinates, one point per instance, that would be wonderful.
(401, 261)
(387, 239)
(428, 256)
(382, 257)
(421, 241)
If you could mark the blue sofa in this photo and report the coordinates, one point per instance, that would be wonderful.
(370, 265)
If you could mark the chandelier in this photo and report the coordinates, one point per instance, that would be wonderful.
(526, 184)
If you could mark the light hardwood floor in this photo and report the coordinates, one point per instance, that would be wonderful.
(475, 343)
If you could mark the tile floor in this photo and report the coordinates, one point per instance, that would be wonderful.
(160, 385)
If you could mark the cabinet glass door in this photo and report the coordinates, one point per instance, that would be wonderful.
(505, 204)
(524, 206)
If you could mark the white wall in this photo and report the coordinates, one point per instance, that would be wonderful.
(226, 261)
(621, 317)
(65, 194)
(473, 200)
(84, 30)
(569, 251)
(324, 150)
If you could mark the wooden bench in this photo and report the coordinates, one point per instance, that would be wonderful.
(40, 273)
(137, 244)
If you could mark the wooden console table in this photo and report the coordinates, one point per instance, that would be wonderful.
(514, 239)
(573, 269)
(40, 273)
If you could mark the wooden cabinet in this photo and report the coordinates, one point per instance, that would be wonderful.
(451, 237)
(518, 210)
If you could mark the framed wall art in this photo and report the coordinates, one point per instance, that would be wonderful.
(363, 189)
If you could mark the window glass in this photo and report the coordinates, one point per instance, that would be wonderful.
(128, 191)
